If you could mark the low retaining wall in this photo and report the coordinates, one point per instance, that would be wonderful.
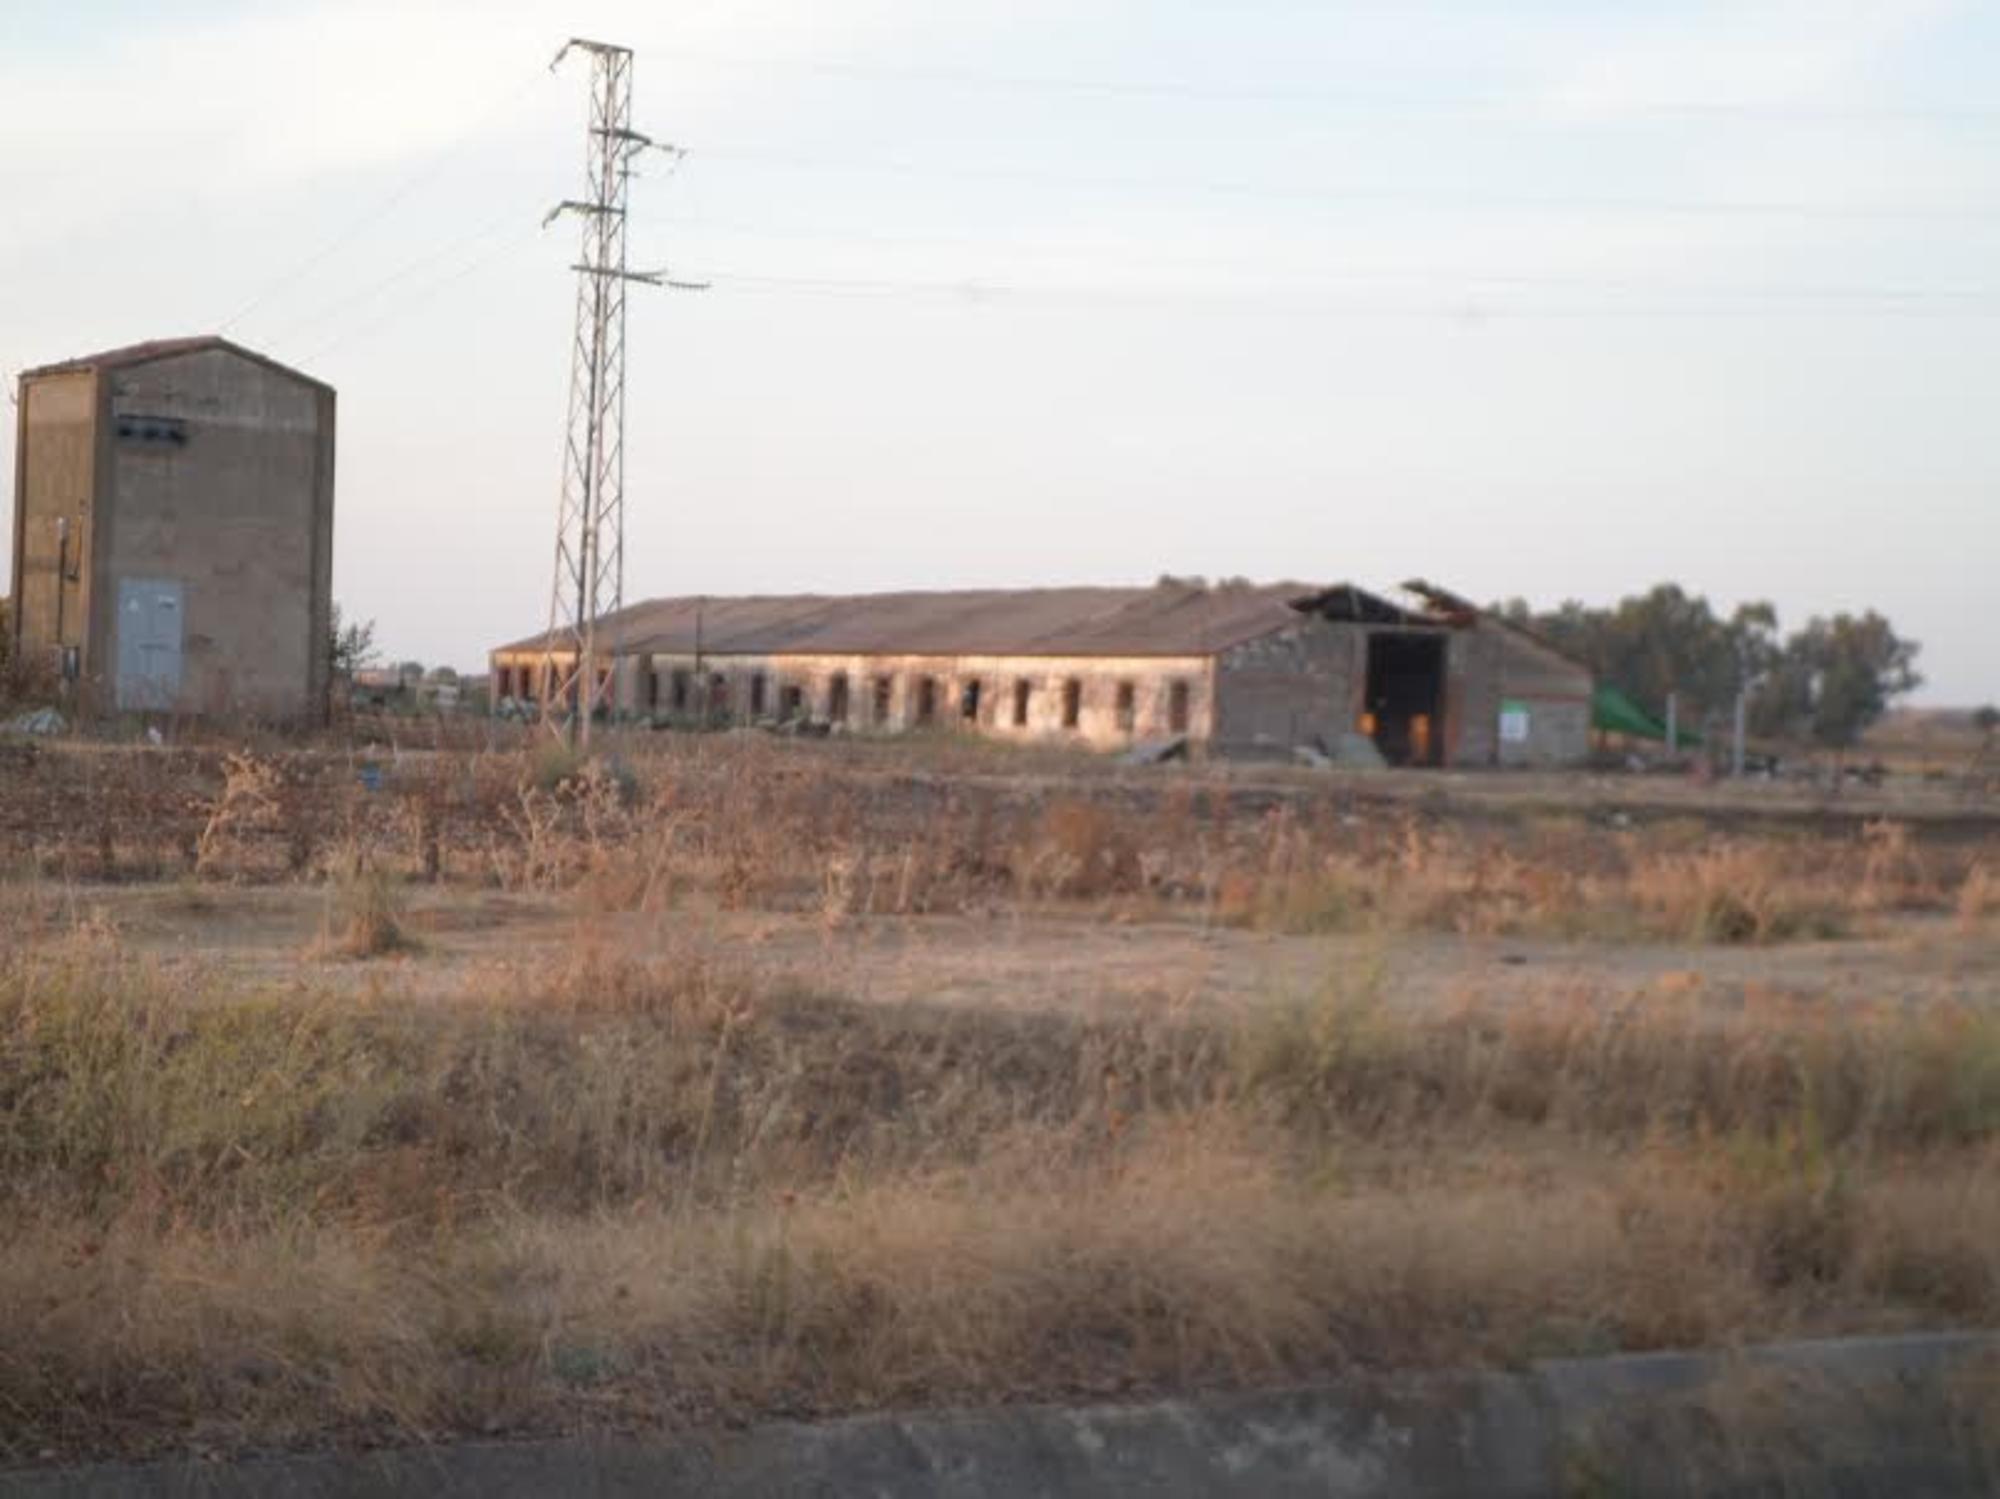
(1891, 1416)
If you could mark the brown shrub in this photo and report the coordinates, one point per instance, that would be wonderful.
(1078, 850)
(1735, 893)
(364, 912)
(1978, 899)
(1895, 876)
(248, 804)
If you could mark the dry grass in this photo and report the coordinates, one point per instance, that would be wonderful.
(753, 825)
(1978, 898)
(1567, 880)
(364, 917)
(612, 1191)
(1191, 1260)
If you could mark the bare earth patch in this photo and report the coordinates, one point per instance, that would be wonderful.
(1043, 958)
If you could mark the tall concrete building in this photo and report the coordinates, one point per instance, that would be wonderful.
(173, 530)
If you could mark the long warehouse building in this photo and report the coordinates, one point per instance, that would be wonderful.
(1235, 669)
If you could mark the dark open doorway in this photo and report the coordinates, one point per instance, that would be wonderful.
(1405, 698)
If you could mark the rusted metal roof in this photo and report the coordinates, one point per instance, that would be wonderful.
(1461, 610)
(128, 355)
(1443, 600)
(1168, 619)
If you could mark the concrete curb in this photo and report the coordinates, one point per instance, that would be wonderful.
(1900, 1415)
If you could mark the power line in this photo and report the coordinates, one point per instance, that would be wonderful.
(974, 291)
(397, 195)
(975, 288)
(1391, 275)
(342, 306)
(1735, 208)
(426, 292)
(1548, 112)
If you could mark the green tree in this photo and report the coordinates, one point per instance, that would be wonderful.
(1665, 640)
(1843, 673)
(1752, 633)
(350, 647)
(1781, 704)
(1827, 682)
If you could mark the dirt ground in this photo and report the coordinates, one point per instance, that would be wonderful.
(233, 862)
(472, 944)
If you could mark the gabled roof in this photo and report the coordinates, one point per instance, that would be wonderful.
(128, 355)
(1168, 619)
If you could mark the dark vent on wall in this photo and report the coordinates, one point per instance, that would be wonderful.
(170, 430)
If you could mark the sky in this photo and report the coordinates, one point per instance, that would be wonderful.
(1544, 299)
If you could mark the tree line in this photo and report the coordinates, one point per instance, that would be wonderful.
(1824, 682)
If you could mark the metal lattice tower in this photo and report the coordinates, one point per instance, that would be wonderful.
(590, 521)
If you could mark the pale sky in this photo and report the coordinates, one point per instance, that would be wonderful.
(1535, 298)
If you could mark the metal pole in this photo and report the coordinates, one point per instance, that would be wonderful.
(1673, 723)
(1736, 747)
(603, 110)
(700, 672)
(62, 577)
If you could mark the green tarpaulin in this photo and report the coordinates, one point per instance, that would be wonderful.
(1614, 713)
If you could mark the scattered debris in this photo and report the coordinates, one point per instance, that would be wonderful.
(38, 721)
(797, 728)
(1313, 755)
(1357, 751)
(1156, 751)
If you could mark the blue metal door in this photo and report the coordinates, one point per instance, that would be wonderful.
(149, 644)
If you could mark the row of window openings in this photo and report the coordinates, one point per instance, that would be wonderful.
(520, 683)
(791, 700)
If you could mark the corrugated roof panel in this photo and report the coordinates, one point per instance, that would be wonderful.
(1168, 619)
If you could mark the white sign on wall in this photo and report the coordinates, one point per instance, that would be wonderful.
(1514, 723)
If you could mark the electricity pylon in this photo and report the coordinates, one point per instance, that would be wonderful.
(590, 517)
